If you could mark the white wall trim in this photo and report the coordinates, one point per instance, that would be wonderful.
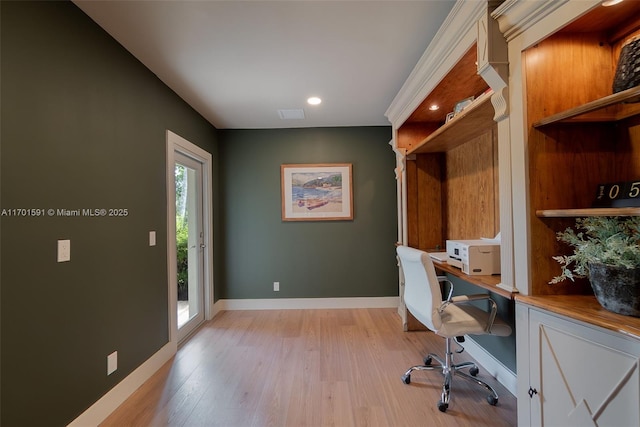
(305, 303)
(108, 403)
(491, 365)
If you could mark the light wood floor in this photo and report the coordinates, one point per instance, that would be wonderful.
(307, 368)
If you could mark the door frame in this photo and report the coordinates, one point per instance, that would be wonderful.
(176, 143)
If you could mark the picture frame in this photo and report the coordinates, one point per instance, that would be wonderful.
(317, 192)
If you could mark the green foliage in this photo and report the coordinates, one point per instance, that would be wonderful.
(605, 240)
(182, 228)
(182, 252)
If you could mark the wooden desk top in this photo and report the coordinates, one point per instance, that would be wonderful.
(586, 309)
(487, 282)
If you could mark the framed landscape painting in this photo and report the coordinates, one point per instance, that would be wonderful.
(317, 192)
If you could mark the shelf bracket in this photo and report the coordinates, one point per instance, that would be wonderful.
(493, 62)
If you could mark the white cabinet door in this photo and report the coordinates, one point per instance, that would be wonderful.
(584, 376)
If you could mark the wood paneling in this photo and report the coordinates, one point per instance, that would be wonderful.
(615, 22)
(425, 203)
(566, 161)
(454, 195)
(474, 120)
(461, 82)
(471, 190)
(410, 135)
(565, 71)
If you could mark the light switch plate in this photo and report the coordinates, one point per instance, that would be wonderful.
(152, 238)
(64, 250)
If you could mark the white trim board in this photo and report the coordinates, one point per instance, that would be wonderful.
(108, 403)
(305, 303)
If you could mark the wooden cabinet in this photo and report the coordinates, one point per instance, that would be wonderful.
(579, 374)
(454, 175)
(451, 173)
(569, 133)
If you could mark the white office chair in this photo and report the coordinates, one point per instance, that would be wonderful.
(451, 318)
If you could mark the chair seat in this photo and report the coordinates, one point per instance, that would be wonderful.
(469, 320)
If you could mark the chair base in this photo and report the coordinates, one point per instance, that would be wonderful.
(449, 369)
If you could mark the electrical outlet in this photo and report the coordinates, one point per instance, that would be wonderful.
(64, 250)
(276, 286)
(112, 363)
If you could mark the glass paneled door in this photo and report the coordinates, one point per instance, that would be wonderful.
(190, 244)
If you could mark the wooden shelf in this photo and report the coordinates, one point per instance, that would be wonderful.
(611, 108)
(576, 213)
(471, 122)
(489, 283)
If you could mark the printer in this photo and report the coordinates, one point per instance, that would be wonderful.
(475, 257)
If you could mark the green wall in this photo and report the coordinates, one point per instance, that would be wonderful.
(83, 126)
(309, 259)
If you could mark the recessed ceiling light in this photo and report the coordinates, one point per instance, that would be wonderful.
(434, 107)
(314, 100)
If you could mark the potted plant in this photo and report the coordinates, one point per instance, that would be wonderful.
(607, 251)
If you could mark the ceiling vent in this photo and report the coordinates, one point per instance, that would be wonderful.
(294, 114)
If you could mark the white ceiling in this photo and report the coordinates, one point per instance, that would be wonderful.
(238, 62)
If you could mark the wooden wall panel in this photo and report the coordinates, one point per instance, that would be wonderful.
(412, 204)
(430, 222)
(424, 201)
(411, 134)
(472, 190)
(565, 71)
(566, 163)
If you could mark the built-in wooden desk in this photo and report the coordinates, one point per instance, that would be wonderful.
(486, 282)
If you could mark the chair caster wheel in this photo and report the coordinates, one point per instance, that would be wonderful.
(442, 406)
(474, 371)
(493, 401)
(427, 360)
(406, 379)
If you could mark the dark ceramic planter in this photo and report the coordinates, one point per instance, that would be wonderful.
(616, 288)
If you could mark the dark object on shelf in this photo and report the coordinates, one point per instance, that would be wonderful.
(616, 288)
(617, 195)
(628, 68)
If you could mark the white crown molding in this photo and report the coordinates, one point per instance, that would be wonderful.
(453, 39)
(517, 16)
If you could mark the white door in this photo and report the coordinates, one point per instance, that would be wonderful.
(189, 236)
(190, 244)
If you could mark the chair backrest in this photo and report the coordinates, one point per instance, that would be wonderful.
(422, 294)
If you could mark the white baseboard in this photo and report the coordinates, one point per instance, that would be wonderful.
(108, 403)
(305, 303)
(491, 365)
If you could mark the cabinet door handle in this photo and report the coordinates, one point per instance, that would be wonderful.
(532, 391)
